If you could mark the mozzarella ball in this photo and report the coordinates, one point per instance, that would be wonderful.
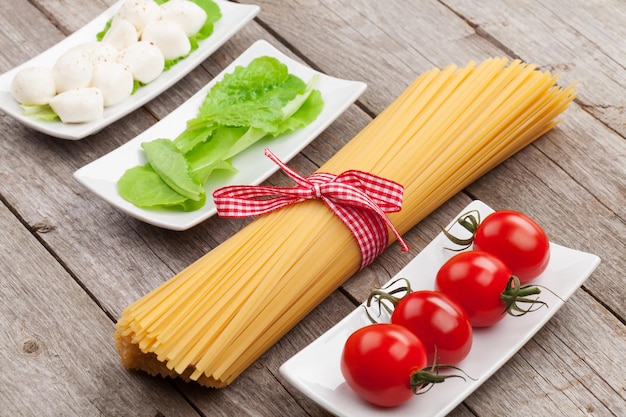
(72, 70)
(121, 34)
(100, 52)
(95, 52)
(34, 85)
(139, 12)
(114, 80)
(169, 37)
(187, 14)
(144, 60)
(80, 105)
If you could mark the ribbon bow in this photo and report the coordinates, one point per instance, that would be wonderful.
(358, 198)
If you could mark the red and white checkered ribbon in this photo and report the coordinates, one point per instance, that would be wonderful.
(358, 198)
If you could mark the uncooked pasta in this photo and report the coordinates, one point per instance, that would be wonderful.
(217, 316)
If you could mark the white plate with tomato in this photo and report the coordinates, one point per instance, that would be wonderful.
(316, 369)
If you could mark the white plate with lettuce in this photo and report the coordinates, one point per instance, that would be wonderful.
(251, 165)
(233, 17)
(315, 370)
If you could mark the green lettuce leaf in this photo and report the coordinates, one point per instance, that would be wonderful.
(173, 168)
(41, 112)
(143, 187)
(251, 96)
(297, 113)
(211, 155)
(261, 100)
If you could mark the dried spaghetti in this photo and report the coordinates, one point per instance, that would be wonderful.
(217, 316)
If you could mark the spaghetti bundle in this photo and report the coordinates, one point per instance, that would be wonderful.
(217, 316)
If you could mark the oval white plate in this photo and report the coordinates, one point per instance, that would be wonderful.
(234, 17)
(101, 175)
(315, 369)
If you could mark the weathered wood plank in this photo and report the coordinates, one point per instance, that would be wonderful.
(68, 15)
(562, 370)
(56, 351)
(583, 40)
(385, 44)
(571, 180)
(25, 33)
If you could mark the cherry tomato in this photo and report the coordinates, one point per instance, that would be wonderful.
(439, 322)
(517, 240)
(512, 236)
(476, 280)
(378, 360)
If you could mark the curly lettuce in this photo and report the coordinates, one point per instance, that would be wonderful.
(254, 102)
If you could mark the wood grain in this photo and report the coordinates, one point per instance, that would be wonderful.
(56, 348)
(69, 263)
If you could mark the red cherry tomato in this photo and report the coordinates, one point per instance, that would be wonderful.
(512, 236)
(476, 280)
(517, 240)
(378, 360)
(439, 322)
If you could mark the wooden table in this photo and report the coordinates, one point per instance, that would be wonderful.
(69, 262)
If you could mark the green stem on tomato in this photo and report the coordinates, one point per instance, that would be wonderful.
(515, 293)
(470, 221)
(423, 380)
(384, 297)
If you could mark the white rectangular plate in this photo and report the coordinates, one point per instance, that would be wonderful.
(101, 175)
(234, 17)
(315, 369)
